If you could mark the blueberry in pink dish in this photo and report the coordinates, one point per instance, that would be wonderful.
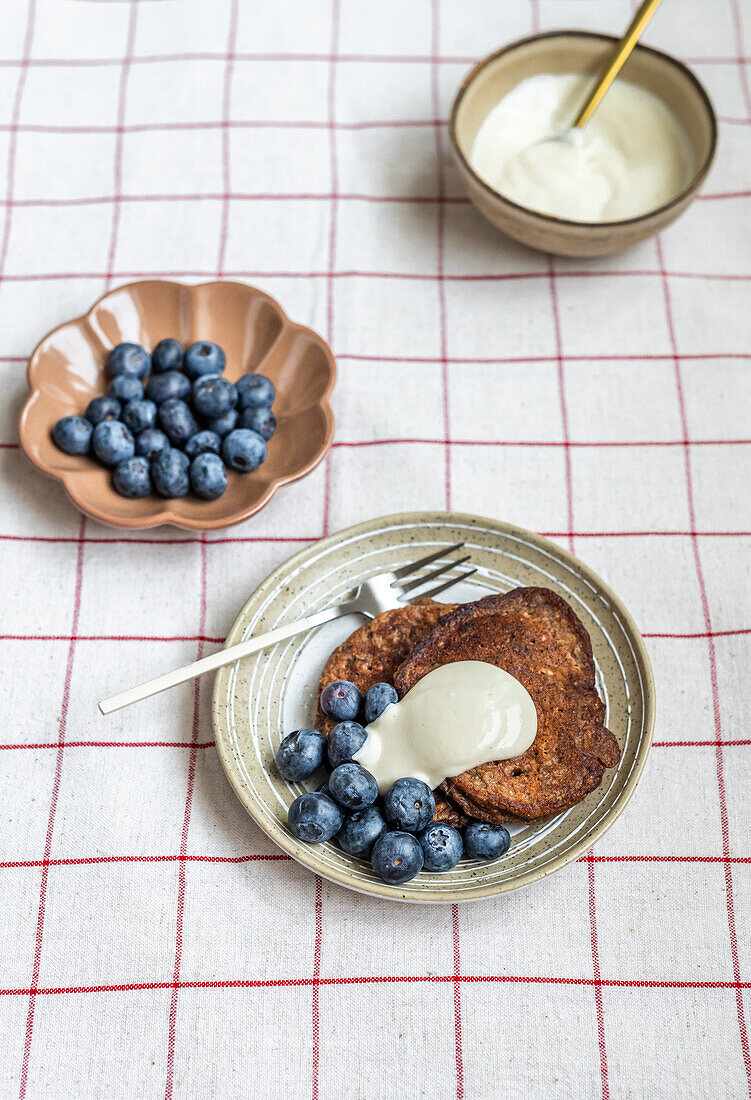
(244, 450)
(208, 476)
(260, 420)
(103, 408)
(132, 478)
(162, 387)
(125, 387)
(129, 359)
(112, 442)
(204, 358)
(166, 356)
(255, 391)
(72, 434)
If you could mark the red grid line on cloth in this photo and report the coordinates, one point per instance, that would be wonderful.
(85, 861)
(226, 142)
(315, 1003)
(331, 272)
(10, 189)
(592, 903)
(300, 196)
(741, 59)
(384, 979)
(445, 441)
(729, 742)
(62, 727)
(441, 243)
(315, 1015)
(10, 176)
(344, 58)
(193, 760)
(435, 45)
(160, 542)
(567, 444)
(743, 1033)
(114, 744)
(626, 357)
(184, 838)
(31, 277)
(547, 534)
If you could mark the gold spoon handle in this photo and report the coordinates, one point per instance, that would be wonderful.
(618, 60)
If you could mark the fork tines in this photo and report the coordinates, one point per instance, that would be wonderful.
(408, 570)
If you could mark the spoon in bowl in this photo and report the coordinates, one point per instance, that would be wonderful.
(620, 56)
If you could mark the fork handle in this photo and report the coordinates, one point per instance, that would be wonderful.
(221, 658)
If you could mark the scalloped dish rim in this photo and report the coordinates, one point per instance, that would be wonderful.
(167, 516)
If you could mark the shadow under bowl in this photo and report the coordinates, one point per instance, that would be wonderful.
(67, 369)
(578, 52)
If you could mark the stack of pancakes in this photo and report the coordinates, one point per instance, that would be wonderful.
(534, 635)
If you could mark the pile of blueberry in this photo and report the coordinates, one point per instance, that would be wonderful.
(170, 422)
(397, 833)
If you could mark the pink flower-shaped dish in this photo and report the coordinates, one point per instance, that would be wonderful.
(67, 370)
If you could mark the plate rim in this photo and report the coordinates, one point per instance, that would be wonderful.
(298, 852)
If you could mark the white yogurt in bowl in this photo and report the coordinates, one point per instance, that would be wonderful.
(632, 157)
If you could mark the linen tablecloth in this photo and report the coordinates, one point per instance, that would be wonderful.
(152, 941)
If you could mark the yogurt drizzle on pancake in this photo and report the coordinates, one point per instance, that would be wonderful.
(458, 716)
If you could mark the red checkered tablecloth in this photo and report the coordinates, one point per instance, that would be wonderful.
(153, 943)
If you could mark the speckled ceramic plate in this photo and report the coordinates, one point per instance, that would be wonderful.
(259, 699)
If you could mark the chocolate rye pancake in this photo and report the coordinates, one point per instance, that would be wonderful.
(534, 635)
(373, 654)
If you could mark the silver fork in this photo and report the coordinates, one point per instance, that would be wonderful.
(381, 593)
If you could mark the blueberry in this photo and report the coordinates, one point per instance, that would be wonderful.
(112, 442)
(208, 476)
(204, 358)
(213, 396)
(314, 818)
(72, 434)
(341, 700)
(167, 355)
(139, 415)
(177, 421)
(255, 391)
(300, 754)
(169, 472)
(360, 831)
(161, 387)
(397, 857)
(482, 841)
(131, 478)
(441, 846)
(409, 804)
(151, 442)
(103, 408)
(378, 697)
(129, 359)
(262, 421)
(244, 450)
(353, 787)
(225, 424)
(345, 739)
(202, 442)
(125, 387)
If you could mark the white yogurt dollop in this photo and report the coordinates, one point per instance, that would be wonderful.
(632, 156)
(458, 716)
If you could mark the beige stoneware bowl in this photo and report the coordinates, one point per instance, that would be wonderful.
(259, 700)
(578, 52)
